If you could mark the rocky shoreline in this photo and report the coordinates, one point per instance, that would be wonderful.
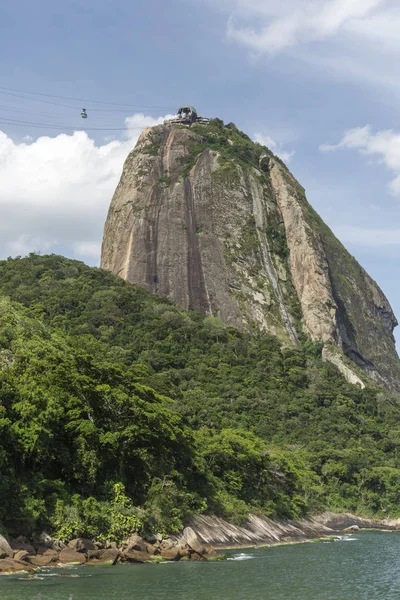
(261, 531)
(199, 541)
(256, 531)
(21, 554)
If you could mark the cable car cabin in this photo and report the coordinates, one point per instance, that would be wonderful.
(83, 113)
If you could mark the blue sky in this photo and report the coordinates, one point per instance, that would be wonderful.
(318, 81)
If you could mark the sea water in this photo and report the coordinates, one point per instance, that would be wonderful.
(362, 566)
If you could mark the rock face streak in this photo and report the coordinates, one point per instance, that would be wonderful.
(236, 239)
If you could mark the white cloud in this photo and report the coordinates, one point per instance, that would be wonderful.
(137, 122)
(291, 22)
(384, 145)
(369, 237)
(55, 191)
(88, 249)
(349, 40)
(269, 142)
(26, 243)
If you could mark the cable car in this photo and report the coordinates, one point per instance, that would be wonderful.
(83, 113)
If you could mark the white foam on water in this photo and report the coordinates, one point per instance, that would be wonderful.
(241, 556)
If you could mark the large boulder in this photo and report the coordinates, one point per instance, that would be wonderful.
(68, 556)
(167, 544)
(94, 554)
(112, 545)
(171, 554)
(183, 551)
(23, 546)
(9, 565)
(196, 556)
(192, 540)
(81, 545)
(210, 551)
(153, 538)
(46, 540)
(42, 549)
(135, 542)
(52, 554)
(5, 548)
(40, 560)
(151, 549)
(351, 529)
(58, 545)
(21, 555)
(21, 539)
(109, 556)
(135, 556)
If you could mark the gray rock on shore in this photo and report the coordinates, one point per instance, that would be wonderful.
(5, 548)
(192, 540)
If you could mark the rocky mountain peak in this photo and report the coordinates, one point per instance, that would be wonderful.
(217, 223)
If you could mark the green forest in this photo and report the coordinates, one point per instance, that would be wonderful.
(121, 412)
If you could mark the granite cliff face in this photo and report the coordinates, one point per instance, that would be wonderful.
(217, 224)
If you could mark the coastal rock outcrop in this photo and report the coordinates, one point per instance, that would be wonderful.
(80, 551)
(255, 531)
(10, 565)
(5, 548)
(192, 540)
(218, 225)
(346, 521)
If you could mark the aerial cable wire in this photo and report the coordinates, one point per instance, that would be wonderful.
(16, 93)
(61, 127)
(38, 100)
(77, 107)
(30, 111)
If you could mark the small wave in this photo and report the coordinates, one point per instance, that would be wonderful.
(242, 556)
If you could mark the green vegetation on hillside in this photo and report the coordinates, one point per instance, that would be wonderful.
(234, 147)
(119, 411)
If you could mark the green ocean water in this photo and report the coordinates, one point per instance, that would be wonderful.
(362, 566)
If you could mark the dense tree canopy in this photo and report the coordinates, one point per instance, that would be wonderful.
(118, 411)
